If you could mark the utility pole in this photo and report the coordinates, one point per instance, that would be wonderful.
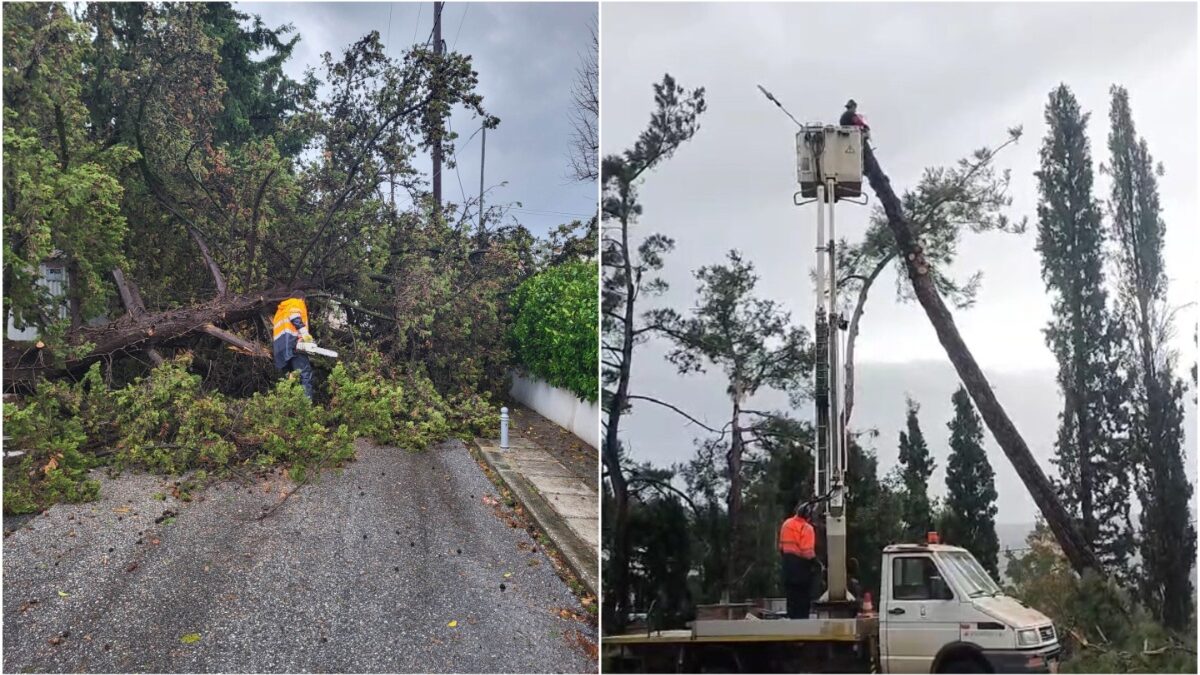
(482, 155)
(437, 148)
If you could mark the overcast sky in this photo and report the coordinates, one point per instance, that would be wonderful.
(936, 81)
(526, 55)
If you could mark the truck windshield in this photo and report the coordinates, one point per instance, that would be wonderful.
(972, 574)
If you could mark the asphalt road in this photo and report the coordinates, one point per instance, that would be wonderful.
(360, 572)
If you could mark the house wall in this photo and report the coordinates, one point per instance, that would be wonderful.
(560, 406)
(53, 277)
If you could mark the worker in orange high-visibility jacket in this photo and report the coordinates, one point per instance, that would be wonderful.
(291, 328)
(798, 550)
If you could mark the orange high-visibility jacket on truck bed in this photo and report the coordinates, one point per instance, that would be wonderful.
(797, 537)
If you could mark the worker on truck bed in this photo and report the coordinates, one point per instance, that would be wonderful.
(851, 118)
(852, 583)
(798, 549)
(291, 327)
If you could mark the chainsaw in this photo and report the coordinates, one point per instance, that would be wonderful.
(310, 347)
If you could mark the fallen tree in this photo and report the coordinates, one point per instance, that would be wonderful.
(221, 229)
(141, 331)
(997, 420)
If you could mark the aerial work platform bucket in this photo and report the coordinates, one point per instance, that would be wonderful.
(825, 152)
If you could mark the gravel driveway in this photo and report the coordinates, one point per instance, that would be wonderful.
(361, 572)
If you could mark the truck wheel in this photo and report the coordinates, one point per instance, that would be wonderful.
(967, 665)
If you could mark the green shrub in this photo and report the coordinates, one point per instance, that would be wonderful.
(424, 421)
(366, 404)
(554, 333)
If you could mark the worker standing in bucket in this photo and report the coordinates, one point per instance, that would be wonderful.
(798, 549)
(851, 118)
(291, 328)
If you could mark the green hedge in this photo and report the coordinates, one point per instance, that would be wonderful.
(555, 333)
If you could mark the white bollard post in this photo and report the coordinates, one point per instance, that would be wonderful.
(504, 428)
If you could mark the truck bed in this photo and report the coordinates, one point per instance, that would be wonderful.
(752, 630)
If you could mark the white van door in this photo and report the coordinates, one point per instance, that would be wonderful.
(922, 614)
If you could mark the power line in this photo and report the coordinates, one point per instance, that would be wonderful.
(417, 23)
(387, 44)
(551, 213)
(454, 152)
(466, 8)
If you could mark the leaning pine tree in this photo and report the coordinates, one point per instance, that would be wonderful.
(917, 466)
(1168, 539)
(1091, 456)
(970, 487)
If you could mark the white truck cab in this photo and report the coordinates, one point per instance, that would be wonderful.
(941, 612)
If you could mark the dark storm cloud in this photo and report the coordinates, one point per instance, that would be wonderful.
(526, 55)
(936, 81)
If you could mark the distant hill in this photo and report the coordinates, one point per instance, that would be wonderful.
(1012, 535)
(1031, 399)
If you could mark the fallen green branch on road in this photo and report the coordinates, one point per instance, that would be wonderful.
(392, 408)
(166, 423)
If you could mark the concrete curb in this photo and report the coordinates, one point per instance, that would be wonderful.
(579, 556)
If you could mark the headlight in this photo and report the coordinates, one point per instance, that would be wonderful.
(1027, 638)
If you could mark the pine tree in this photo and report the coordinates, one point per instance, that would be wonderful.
(1168, 540)
(917, 466)
(629, 273)
(970, 487)
(756, 346)
(1090, 453)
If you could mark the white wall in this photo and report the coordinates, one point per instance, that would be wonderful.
(560, 406)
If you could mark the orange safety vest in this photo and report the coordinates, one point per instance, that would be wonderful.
(797, 537)
(288, 310)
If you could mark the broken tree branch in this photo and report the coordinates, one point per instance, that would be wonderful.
(693, 420)
(132, 299)
(348, 185)
(852, 332)
(218, 278)
(237, 343)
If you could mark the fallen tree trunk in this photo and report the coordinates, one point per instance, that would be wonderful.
(141, 331)
(1074, 547)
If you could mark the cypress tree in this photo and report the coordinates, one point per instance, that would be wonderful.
(917, 466)
(875, 508)
(1090, 453)
(1168, 539)
(970, 487)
